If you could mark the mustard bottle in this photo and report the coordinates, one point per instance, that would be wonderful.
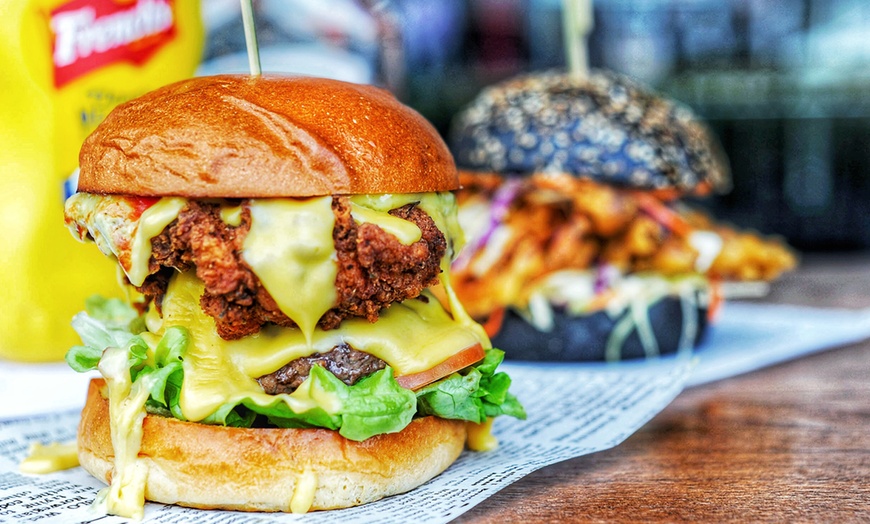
(64, 64)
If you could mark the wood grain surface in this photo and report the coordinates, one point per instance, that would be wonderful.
(790, 443)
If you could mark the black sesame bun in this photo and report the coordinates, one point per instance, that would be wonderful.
(605, 127)
(586, 171)
(671, 323)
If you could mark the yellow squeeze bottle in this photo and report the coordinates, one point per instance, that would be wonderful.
(64, 64)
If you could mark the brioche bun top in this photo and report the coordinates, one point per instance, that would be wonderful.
(605, 127)
(237, 136)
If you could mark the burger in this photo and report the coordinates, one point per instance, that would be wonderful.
(581, 243)
(282, 348)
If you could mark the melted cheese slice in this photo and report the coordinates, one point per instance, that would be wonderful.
(152, 222)
(290, 249)
(232, 216)
(441, 207)
(411, 336)
(287, 247)
(406, 232)
(480, 437)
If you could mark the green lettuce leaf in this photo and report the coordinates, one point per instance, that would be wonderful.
(104, 323)
(375, 404)
(113, 323)
(472, 394)
(168, 372)
(83, 358)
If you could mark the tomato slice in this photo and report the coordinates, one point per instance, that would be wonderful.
(140, 204)
(463, 359)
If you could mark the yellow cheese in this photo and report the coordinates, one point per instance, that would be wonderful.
(441, 207)
(480, 437)
(152, 222)
(410, 336)
(406, 232)
(303, 492)
(290, 249)
(231, 215)
(107, 219)
(50, 458)
(125, 495)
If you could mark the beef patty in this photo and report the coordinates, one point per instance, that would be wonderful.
(346, 363)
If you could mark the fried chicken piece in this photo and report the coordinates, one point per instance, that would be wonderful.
(374, 268)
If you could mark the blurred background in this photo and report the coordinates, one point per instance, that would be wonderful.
(785, 84)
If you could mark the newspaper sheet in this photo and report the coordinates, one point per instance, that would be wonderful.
(574, 409)
(752, 336)
(570, 414)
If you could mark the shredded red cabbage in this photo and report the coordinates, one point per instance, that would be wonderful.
(499, 207)
(605, 275)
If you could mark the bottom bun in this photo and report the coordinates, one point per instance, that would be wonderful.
(673, 322)
(260, 469)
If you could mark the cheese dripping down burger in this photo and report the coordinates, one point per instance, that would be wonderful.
(282, 236)
(579, 245)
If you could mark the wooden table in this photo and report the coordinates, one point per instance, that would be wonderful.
(790, 443)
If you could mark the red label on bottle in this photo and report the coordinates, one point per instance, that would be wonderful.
(91, 34)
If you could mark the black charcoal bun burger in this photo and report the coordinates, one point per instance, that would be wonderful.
(579, 247)
(286, 351)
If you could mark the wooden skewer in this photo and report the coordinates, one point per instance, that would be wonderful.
(251, 37)
(576, 26)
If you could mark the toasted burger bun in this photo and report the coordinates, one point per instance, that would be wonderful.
(269, 136)
(605, 127)
(612, 130)
(599, 336)
(218, 467)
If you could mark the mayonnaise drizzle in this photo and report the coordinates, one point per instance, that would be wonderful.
(303, 492)
(125, 495)
(49, 458)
